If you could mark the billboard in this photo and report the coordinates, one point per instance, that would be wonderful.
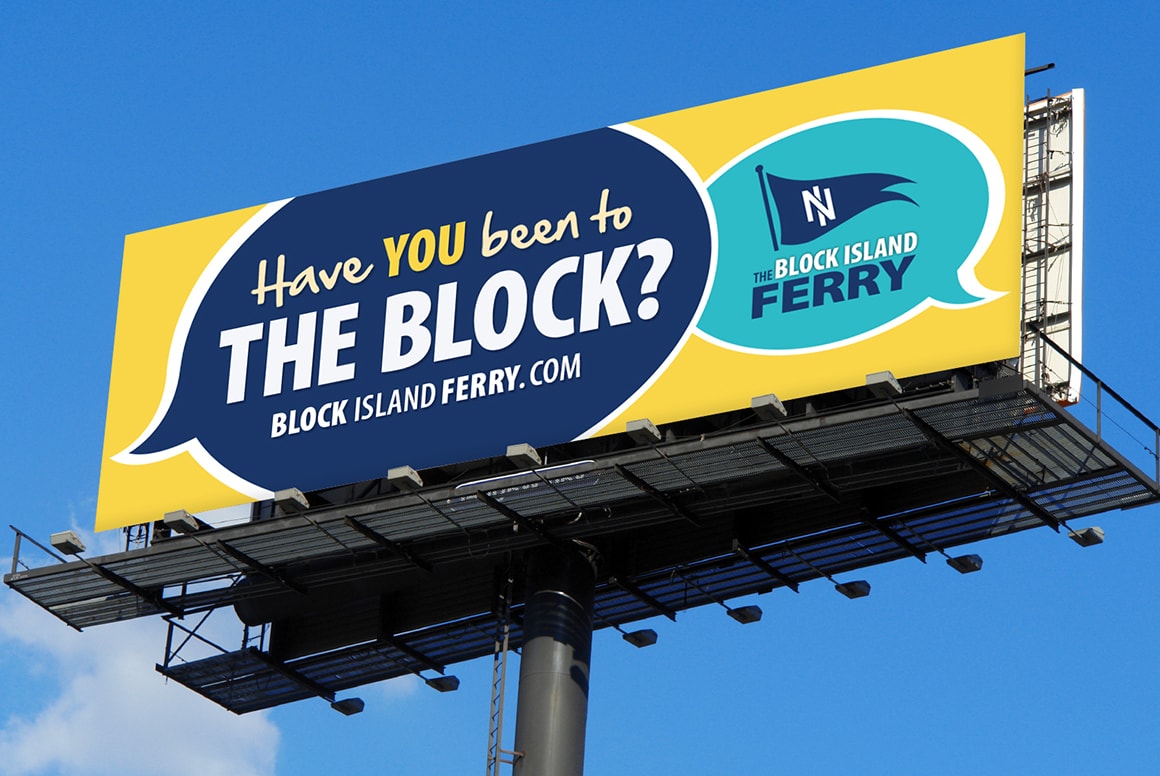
(789, 242)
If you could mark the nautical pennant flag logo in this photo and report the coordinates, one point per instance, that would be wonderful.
(807, 209)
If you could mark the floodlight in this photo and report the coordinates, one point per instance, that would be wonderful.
(883, 385)
(67, 542)
(859, 588)
(641, 638)
(643, 432)
(745, 614)
(404, 478)
(180, 521)
(523, 455)
(348, 706)
(965, 564)
(291, 500)
(768, 407)
(1088, 537)
(443, 683)
(161, 531)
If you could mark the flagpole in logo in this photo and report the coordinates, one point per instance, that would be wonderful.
(799, 201)
(768, 211)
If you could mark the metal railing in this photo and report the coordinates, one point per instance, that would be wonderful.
(17, 564)
(1102, 416)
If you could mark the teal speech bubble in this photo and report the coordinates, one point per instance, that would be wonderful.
(843, 228)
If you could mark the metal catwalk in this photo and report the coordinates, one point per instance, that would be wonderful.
(372, 582)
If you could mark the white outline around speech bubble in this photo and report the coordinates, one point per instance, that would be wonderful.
(189, 311)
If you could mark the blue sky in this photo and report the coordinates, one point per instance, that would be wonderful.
(115, 118)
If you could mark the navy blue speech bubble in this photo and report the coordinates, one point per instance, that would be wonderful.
(598, 315)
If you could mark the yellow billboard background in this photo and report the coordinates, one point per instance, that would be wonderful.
(979, 87)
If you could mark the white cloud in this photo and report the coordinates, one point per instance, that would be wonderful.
(399, 688)
(105, 710)
(111, 712)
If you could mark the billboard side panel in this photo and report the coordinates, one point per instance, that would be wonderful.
(1078, 166)
(1053, 232)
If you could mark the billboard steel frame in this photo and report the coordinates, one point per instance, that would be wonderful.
(845, 481)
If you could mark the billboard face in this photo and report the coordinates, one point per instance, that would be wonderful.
(786, 242)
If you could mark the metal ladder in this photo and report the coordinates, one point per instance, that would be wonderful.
(496, 754)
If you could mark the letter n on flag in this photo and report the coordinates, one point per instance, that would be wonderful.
(807, 209)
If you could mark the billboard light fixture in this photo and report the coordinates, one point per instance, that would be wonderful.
(180, 521)
(443, 683)
(745, 614)
(643, 432)
(859, 588)
(640, 638)
(883, 385)
(524, 455)
(67, 542)
(1087, 537)
(768, 407)
(644, 637)
(966, 564)
(348, 706)
(404, 478)
(291, 500)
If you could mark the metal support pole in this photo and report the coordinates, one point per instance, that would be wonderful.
(552, 708)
